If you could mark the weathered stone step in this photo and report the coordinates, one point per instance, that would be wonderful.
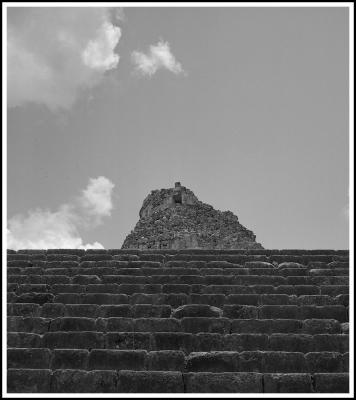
(186, 324)
(112, 381)
(203, 280)
(171, 360)
(265, 263)
(204, 342)
(133, 296)
(52, 310)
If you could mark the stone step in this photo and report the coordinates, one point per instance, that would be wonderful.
(52, 310)
(204, 342)
(186, 324)
(317, 262)
(175, 268)
(130, 288)
(172, 360)
(112, 381)
(18, 305)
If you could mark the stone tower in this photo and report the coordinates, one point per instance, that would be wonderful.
(175, 219)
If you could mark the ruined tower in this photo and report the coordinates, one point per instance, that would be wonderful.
(175, 219)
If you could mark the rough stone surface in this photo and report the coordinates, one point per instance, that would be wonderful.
(178, 321)
(175, 219)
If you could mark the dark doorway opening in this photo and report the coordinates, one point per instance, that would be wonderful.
(177, 197)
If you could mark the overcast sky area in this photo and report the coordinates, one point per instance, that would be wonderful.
(247, 107)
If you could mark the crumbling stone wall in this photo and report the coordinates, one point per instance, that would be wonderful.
(175, 219)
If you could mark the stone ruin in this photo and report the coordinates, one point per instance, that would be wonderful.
(176, 219)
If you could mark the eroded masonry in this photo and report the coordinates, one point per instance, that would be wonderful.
(175, 219)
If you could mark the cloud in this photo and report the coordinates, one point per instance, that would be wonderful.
(45, 229)
(98, 53)
(53, 53)
(96, 198)
(159, 57)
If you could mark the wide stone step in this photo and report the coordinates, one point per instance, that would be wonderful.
(99, 305)
(112, 381)
(186, 324)
(72, 268)
(171, 360)
(203, 342)
(272, 280)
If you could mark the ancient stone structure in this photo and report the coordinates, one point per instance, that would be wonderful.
(175, 219)
(186, 321)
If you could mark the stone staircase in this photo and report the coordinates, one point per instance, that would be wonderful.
(125, 321)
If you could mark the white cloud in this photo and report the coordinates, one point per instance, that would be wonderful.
(55, 52)
(99, 53)
(96, 198)
(45, 229)
(159, 56)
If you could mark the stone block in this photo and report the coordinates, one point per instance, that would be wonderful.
(112, 288)
(34, 358)
(328, 342)
(67, 288)
(203, 324)
(81, 310)
(173, 341)
(245, 342)
(150, 382)
(316, 326)
(28, 324)
(104, 298)
(165, 360)
(85, 280)
(173, 299)
(176, 288)
(223, 361)
(70, 359)
(128, 340)
(336, 312)
(148, 311)
(25, 310)
(109, 359)
(196, 310)
(28, 380)
(67, 298)
(279, 312)
(287, 383)
(38, 298)
(243, 299)
(120, 310)
(324, 362)
(55, 279)
(52, 310)
(331, 383)
(292, 342)
(205, 382)
(116, 324)
(73, 340)
(240, 311)
(157, 325)
(72, 324)
(79, 381)
(23, 340)
(251, 361)
(204, 342)
(283, 361)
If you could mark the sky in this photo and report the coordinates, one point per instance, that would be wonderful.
(247, 107)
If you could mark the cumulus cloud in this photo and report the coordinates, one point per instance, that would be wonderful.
(45, 229)
(158, 57)
(99, 54)
(96, 198)
(55, 52)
